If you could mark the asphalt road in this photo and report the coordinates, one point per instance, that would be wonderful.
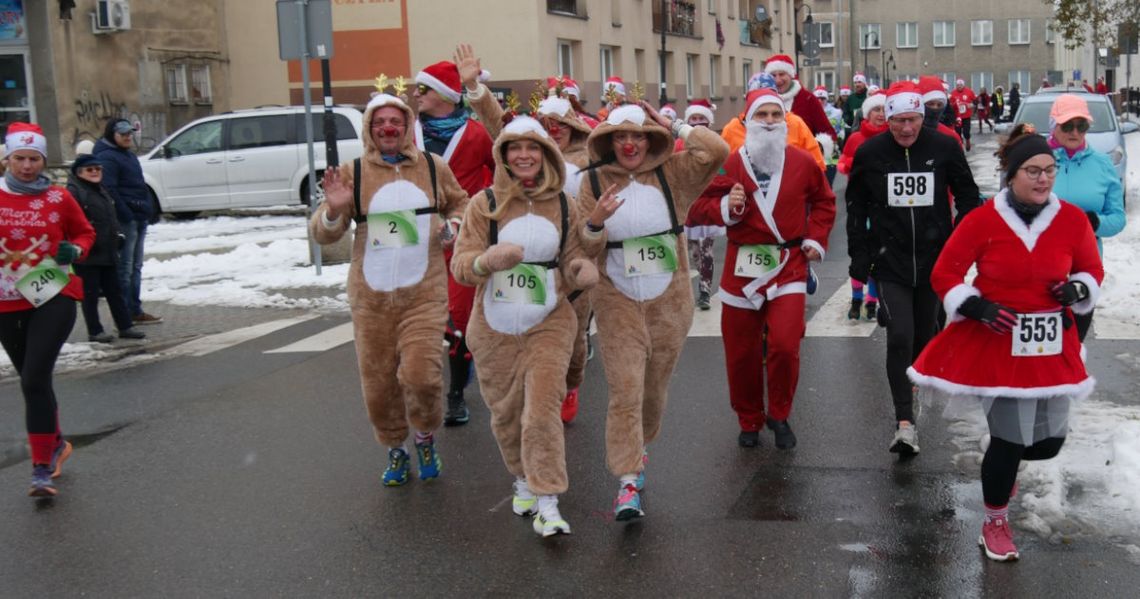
(246, 473)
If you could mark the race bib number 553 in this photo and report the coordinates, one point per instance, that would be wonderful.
(1037, 335)
(910, 190)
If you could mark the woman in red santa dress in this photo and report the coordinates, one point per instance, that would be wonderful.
(1011, 341)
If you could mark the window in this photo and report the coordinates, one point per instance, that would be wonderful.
(714, 76)
(691, 76)
(906, 35)
(639, 64)
(176, 91)
(607, 62)
(980, 80)
(826, 79)
(1050, 35)
(258, 132)
(949, 77)
(981, 33)
(1022, 78)
(199, 139)
(826, 34)
(564, 7)
(712, 6)
(870, 36)
(732, 74)
(943, 34)
(200, 89)
(344, 130)
(1018, 31)
(745, 74)
(565, 59)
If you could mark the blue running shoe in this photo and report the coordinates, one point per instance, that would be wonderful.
(812, 282)
(430, 464)
(640, 483)
(627, 506)
(398, 471)
(42, 485)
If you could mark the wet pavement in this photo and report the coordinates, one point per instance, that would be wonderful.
(241, 472)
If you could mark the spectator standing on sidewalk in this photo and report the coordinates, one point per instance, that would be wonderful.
(123, 179)
(99, 271)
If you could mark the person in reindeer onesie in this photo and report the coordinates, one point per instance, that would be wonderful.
(643, 302)
(520, 245)
(779, 211)
(569, 132)
(404, 202)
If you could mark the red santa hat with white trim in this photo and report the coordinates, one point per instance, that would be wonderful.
(859, 78)
(875, 100)
(614, 83)
(700, 107)
(931, 88)
(780, 63)
(759, 97)
(844, 90)
(820, 92)
(903, 97)
(668, 111)
(443, 77)
(25, 136)
(571, 87)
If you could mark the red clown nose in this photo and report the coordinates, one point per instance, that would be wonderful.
(629, 149)
(389, 131)
(553, 129)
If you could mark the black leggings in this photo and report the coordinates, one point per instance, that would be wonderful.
(1084, 323)
(102, 280)
(964, 130)
(911, 317)
(459, 363)
(33, 339)
(999, 466)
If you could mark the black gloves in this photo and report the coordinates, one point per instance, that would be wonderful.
(999, 318)
(1094, 220)
(67, 253)
(1070, 292)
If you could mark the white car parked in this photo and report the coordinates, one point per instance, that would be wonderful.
(244, 159)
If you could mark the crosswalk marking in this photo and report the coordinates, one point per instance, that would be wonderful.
(212, 343)
(323, 341)
(831, 318)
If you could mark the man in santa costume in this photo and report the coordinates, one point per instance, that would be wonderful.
(796, 98)
(778, 211)
(962, 103)
(445, 128)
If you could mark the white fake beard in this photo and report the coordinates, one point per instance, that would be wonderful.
(765, 144)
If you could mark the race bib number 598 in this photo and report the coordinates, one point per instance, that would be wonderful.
(910, 190)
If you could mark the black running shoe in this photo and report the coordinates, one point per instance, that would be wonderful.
(785, 438)
(856, 309)
(748, 438)
(457, 413)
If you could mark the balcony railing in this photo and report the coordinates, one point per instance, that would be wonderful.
(681, 18)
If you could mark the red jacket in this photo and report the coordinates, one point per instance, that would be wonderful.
(804, 209)
(866, 131)
(807, 107)
(962, 102)
(469, 155)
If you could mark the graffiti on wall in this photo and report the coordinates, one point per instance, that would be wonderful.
(93, 110)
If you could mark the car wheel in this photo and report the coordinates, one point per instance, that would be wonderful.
(320, 192)
(185, 215)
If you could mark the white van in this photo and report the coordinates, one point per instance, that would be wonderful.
(245, 159)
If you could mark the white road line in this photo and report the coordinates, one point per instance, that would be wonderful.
(212, 343)
(325, 340)
(831, 318)
(706, 323)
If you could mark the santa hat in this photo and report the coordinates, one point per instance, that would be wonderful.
(875, 100)
(443, 77)
(555, 106)
(627, 113)
(571, 87)
(844, 90)
(25, 136)
(820, 92)
(960, 82)
(614, 83)
(701, 107)
(872, 88)
(668, 111)
(931, 89)
(780, 62)
(903, 98)
(521, 125)
(859, 78)
(757, 98)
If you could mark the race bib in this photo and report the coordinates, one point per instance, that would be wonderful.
(910, 190)
(962, 108)
(523, 284)
(1037, 335)
(392, 229)
(650, 255)
(755, 261)
(42, 282)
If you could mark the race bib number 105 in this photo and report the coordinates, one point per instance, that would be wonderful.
(650, 255)
(523, 284)
(910, 190)
(1037, 335)
(393, 229)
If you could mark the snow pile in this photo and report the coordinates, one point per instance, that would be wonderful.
(220, 233)
(1120, 299)
(73, 356)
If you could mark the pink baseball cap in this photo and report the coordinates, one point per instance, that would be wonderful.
(1068, 107)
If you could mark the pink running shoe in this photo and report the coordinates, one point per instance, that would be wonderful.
(997, 540)
(570, 406)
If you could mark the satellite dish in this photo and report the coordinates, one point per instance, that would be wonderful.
(761, 14)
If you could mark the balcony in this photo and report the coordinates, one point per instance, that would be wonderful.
(569, 8)
(681, 18)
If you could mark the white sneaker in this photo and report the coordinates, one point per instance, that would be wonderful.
(549, 522)
(524, 503)
(905, 441)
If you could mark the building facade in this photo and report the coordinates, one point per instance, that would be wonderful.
(70, 69)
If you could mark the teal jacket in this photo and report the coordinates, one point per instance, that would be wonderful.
(1089, 181)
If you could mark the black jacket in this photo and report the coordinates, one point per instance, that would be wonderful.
(99, 207)
(901, 244)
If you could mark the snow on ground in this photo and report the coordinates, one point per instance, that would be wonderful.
(1120, 298)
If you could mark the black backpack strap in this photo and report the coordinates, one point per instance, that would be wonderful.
(677, 227)
(431, 171)
(595, 185)
(565, 221)
(493, 232)
(358, 216)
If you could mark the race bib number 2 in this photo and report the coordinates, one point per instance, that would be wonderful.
(43, 282)
(650, 255)
(393, 229)
(1037, 335)
(523, 284)
(910, 190)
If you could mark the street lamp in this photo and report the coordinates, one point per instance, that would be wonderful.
(867, 37)
(888, 59)
(664, 85)
(796, 30)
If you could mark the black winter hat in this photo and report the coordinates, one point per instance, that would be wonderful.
(84, 160)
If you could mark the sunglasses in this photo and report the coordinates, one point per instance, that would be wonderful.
(422, 89)
(1080, 125)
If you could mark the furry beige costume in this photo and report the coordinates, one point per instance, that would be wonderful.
(576, 157)
(523, 349)
(643, 320)
(398, 295)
